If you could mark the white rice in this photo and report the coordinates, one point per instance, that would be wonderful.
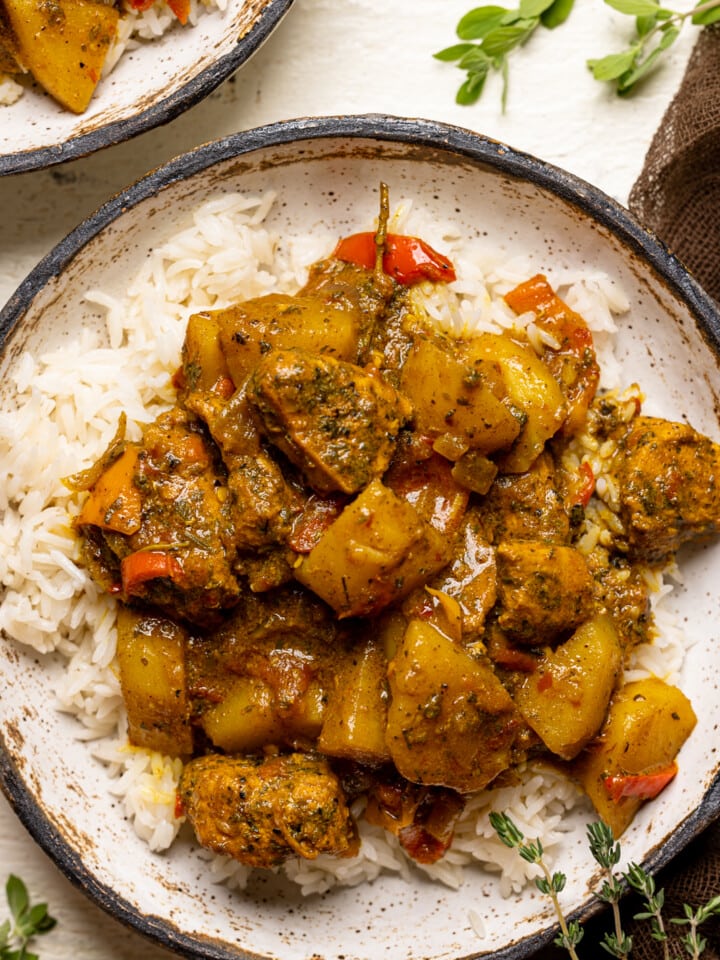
(69, 402)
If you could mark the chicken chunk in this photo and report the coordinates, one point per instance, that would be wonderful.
(172, 545)
(543, 589)
(262, 503)
(527, 506)
(335, 422)
(263, 811)
(669, 481)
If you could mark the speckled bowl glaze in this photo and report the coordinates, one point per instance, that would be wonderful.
(148, 87)
(327, 170)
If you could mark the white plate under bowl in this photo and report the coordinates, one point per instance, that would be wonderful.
(327, 171)
(148, 87)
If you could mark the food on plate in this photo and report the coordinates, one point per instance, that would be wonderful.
(66, 45)
(364, 567)
(522, 559)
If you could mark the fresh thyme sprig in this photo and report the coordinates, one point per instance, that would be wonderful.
(551, 884)
(656, 29)
(27, 921)
(488, 34)
(606, 852)
(695, 944)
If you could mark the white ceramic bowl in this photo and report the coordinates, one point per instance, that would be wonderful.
(148, 87)
(328, 170)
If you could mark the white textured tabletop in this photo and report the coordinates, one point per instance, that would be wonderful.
(336, 57)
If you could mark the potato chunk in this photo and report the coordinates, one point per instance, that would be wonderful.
(64, 44)
(648, 722)
(531, 388)
(566, 698)
(252, 329)
(459, 398)
(151, 659)
(377, 550)
(450, 721)
(356, 714)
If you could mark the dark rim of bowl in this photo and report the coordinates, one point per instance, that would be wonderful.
(161, 112)
(470, 147)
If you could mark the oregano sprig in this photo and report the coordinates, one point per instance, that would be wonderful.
(27, 921)
(488, 34)
(656, 30)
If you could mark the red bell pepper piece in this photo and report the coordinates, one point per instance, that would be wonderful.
(181, 9)
(143, 565)
(641, 786)
(586, 484)
(408, 260)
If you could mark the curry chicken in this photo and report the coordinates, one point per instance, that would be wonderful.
(352, 562)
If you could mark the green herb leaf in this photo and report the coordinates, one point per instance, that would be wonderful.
(635, 8)
(479, 22)
(471, 89)
(28, 920)
(668, 37)
(17, 896)
(533, 8)
(643, 25)
(557, 13)
(503, 39)
(453, 53)
(705, 17)
(614, 65)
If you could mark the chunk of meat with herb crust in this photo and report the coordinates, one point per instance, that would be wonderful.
(336, 422)
(668, 476)
(263, 811)
(544, 589)
(179, 554)
(262, 502)
(527, 506)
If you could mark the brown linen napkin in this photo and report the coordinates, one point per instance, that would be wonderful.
(677, 195)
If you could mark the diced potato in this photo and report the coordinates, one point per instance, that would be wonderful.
(450, 720)
(451, 396)
(572, 357)
(64, 44)
(249, 330)
(377, 550)
(246, 718)
(565, 700)
(203, 362)
(648, 722)
(356, 715)
(531, 387)
(430, 487)
(151, 659)
(11, 59)
(474, 472)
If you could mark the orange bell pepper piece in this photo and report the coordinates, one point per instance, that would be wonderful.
(115, 503)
